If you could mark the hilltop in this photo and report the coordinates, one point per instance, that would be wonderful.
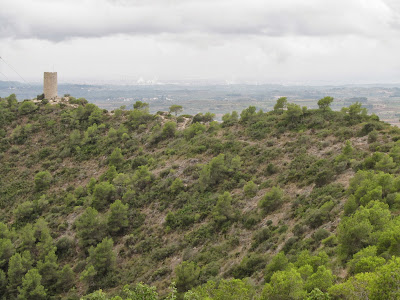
(286, 204)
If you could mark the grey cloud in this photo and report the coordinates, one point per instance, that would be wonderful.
(60, 20)
(394, 6)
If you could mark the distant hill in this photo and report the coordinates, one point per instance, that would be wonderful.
(291, 203)
(382, 100)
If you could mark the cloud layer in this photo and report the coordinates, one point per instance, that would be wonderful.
(234, 40)
(59, 20)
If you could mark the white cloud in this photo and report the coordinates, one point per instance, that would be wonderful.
(58, 20)
(258, 40)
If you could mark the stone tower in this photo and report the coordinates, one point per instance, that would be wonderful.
(50, 85)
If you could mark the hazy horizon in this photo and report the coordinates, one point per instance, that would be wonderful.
(205, 83)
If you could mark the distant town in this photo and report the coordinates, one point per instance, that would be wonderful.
(382, 100)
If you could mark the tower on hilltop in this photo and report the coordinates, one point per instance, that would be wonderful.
(50, 85)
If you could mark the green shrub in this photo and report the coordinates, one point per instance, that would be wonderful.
(249, 264)
(320, 234)
(250, 189)
(90, 228)
(372, 136)
(43, 180)
(103, 194)
(118, 217)
(187, 276)
(27, 107)
(272, 200)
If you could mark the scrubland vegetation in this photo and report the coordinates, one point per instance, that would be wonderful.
(294, 203)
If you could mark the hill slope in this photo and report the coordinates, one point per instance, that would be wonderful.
(293, 203)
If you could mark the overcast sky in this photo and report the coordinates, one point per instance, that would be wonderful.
(233, 41)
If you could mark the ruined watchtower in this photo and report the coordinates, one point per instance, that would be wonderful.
(50, 85)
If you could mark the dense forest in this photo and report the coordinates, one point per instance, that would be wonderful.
(293, 203)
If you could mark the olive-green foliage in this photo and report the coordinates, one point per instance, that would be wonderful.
(43, 240)
(280, 104)
(139, 105)
(317, 294)
(214, 172)
(316, 260)
(139, 117)
(230, 119)
(3, 282)
(388, 277)
(116, 158)
(318, 216)
(181, 219)
(366, 260)
(260, 236)
(278, 263)
(109, 175)
(322, 279)
(102, 257)
(31, 288)
(272, 200)
(177, 186)
(30, 210)
(142, 178)
(187, 276)
(139, 291)
(139, 161)
(189, 195)
(27, 107)
(374, 285)
(89, 228)
(193, 130)
(250, 189)
(79, 101)
(206, 118)
(372, 136)
(247, 114)
(175, 109)
(324, 103)
(307, 169)
(249, 264)
(118, 217)
(357, 287)
(17, 267)
(221, 290)
(100, 266)
(48, 269)
(168, 130)
(356, 232)
(286, 284)
(66, 278)
(21, 133)
(223, 210)
(293, 115)
(6, 251)
(103, 194)
(43, 180)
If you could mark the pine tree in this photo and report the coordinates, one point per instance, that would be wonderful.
(48, 270)
(116, 158)
(16, 270)
(6, 251)
(31, 288)
(89, 228)
(65, 279)
(118, 217)
(102, 257)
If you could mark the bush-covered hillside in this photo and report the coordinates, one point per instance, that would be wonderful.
(288, 204)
